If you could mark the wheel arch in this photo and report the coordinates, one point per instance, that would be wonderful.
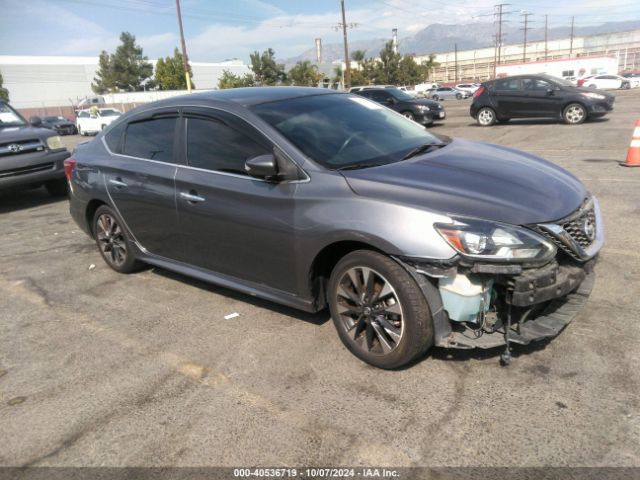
(90, 212)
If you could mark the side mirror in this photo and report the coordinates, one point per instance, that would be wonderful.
(550, 91)
(35, 121)
(262, 166)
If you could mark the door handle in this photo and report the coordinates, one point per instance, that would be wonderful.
(117, 183)
(192, 197)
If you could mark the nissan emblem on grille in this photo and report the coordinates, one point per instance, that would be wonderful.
(589, 228)
(14, 147)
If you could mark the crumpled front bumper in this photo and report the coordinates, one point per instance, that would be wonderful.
(548, 324)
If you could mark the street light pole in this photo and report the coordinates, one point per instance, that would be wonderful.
(185, 64)
(347, 63)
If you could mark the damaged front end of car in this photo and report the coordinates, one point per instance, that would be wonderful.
(510, 284)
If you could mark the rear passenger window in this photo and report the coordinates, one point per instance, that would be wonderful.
(114, 137)
(214, 145)
(509, 84)
(151, 139)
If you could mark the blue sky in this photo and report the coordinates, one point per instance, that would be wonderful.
(217, 30)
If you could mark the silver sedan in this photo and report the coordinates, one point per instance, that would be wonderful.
(444, 93)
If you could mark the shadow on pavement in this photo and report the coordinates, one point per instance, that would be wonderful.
(21, 199)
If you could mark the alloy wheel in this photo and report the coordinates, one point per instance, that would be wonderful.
(485, 117)
(111, 240)
(370, 311)
(574, 114)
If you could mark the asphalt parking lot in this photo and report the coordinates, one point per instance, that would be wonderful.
(98, 368)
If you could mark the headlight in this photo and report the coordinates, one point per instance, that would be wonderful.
(54, 143)
(594, 95)
(424, 108)
(498, 242)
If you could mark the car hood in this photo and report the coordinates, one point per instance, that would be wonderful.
(477, 180)
(14, 134)
(591, 90)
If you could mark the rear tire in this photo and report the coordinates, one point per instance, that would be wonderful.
(57, 188)
(486, 117)
(378, 309)
(436, 97)
(114, 243)
(574, 114)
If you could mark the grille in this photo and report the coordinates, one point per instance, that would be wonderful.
(575, 228)
(26, 170)
(25, 146)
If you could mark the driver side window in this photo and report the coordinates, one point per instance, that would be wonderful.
(216, 145)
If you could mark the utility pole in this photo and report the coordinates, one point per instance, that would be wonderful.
(455, 61)
(185, 61)
(347, 63)
(546, 35)
(499, 14)
(571, 42)
(526, 16)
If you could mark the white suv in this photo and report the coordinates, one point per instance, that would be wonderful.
(94, 120)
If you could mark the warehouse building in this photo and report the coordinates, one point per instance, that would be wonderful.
(44, 83)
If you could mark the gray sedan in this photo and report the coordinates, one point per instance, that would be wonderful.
(314, 199)
(445, 93)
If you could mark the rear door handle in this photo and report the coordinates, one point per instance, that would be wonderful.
(192, 197)
(117, 183)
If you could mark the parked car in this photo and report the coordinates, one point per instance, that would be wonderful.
(609, 82)
(528, 96)
(60, 124)
(442, 93)
(421, 110)
(94, 120)
(29, 154)
(369, 87)
(468, 87)
(425, 89)
(633, 78)
(314, 198)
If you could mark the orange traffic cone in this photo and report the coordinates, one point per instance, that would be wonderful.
(633, 155)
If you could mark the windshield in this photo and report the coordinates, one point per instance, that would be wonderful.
(339, 131)
(399, 94)
(109, 112)
(9, 117)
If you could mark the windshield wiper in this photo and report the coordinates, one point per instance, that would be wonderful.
(357, 166)
(424, 148)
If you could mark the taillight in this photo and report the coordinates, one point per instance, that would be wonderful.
(69, 165)
(478, 92)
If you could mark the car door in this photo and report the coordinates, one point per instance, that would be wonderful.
(509, 98)
(541, 98)
(232, 223)
(139, 178)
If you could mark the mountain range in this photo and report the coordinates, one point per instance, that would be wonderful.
(437, 38)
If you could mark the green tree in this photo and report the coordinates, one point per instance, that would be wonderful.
(126, 70)
(230, 80)
(409, 72)
(265, 69)
(4, 93)
(358, 75)
(170, 73)
(304, 73)
(389, 64)
(428, 66)
(358, 56)
(337, 75)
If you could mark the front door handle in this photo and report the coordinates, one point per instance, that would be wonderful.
(192, 197)
(117, 183)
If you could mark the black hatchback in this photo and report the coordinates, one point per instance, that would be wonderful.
(421, 110)
(527, 96)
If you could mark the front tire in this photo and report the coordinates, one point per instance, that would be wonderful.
(486, 117)
(574, 114)
(409, 115)
(436, 98)
(458, 96)
(113, 241)
(378, 309)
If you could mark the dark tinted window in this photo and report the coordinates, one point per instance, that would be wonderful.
(214, 145)
(379, 96)
(114, 137)
(535, 84)
(151, 139)
(507, 84)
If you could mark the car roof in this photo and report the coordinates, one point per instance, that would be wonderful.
(253, 95)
